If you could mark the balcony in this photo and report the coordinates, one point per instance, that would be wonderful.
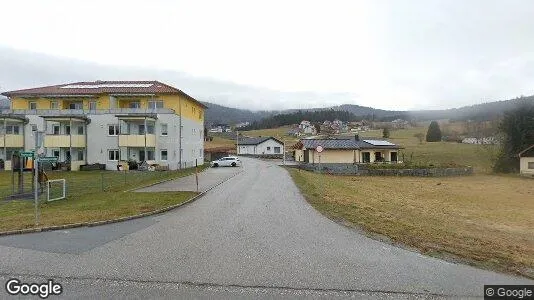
(12, 140)
(137, 140)
(63, 141)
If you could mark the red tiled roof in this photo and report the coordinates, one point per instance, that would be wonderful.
(101, 87)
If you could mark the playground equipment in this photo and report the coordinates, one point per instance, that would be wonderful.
(23, 176)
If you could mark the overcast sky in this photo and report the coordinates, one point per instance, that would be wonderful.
(385, 54)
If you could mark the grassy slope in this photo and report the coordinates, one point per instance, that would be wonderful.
(458, 215)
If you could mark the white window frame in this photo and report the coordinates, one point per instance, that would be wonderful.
(155, 104)
(115, 129)
(54, 104)
(115, 155)
(166, 155)
(166, 131)
(92, 103)
(54, 126)
(32, 103)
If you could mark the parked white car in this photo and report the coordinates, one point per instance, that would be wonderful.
(227, 161)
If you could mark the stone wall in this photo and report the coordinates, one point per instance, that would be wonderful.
(355, 169)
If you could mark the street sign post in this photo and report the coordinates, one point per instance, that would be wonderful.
(319, 149)
(27, 154)
(47, 159)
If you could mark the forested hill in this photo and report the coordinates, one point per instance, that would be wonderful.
(298, 116)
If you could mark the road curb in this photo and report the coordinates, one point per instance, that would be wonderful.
(117, 220)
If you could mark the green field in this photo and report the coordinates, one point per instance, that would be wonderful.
(91, 196)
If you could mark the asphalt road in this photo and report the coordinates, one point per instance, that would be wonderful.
(253, 236)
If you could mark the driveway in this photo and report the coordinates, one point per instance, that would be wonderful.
(253, 236)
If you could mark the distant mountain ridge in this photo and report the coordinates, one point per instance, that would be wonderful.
(484, 111)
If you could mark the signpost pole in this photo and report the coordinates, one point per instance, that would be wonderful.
(196, 172)
(36, 180)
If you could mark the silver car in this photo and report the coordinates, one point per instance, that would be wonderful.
(227, 161)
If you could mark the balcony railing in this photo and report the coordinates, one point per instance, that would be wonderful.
(57, 141)
(137, 140)
(12, 140)
(81, 112)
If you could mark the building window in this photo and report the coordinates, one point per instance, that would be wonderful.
(55, 153)
(135, 104)
(150, 155)
(113, 155)
(366, 157)
(92, 105)
(163, 154)
(150, 129)
(268, 148)
(55, 129)
(80, 155)
(80, 130)
(34, 128)
(33, 105)
(276, 149)
(141, 129)
(113, 129)
(76, 105)
(12, 129)
(155, 104)
(67, 129)
(531, 165)
(164, 129)
(54, 105)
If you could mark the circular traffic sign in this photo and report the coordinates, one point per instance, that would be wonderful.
(319, 149)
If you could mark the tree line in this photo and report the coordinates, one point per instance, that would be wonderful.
(298, 116)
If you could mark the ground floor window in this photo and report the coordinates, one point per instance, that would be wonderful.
(394, 156)
(163, 154)
(531, 165)
(113, 155)
(150, 155)
(276, 149)
(80, 155)
(366, 157)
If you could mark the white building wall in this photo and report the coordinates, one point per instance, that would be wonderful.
(99, 141)
(267, 147)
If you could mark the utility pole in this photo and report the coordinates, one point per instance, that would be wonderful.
(237, 142)
(284, 153)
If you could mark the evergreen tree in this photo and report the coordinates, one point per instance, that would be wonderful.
(517, 129)
(385, 132)
(434, 133)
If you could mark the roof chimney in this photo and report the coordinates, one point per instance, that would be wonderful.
(356, 137)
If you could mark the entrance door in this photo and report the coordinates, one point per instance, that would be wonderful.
(141, 155)
(306, 156)
(394, 156)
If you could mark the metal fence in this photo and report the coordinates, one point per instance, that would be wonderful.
(90, 182)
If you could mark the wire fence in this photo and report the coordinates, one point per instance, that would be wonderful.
(85, 182)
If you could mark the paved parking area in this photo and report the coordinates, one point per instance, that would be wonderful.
(206, 180)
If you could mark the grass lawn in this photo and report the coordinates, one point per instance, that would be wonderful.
(486, 220)
(219, 142)
(86, 201)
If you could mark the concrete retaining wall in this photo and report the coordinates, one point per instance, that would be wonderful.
(354, 169)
